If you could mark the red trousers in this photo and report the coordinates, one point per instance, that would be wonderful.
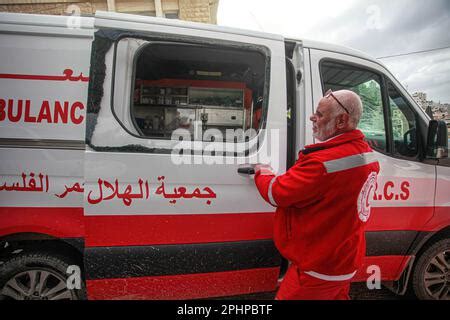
(297, 285)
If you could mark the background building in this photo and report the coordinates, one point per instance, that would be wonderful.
(421, 99)
(190, 10)
(440, 111)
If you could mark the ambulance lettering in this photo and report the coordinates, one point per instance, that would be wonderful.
(75, 188)
(49, 112)
(107, 191)
(28, 186)
(393, 191)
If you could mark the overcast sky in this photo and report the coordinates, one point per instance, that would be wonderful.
(378, 27)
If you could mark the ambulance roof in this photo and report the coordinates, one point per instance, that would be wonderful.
(85, 26)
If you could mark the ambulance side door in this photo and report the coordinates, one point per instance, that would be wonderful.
(167, 214)
(396, 130)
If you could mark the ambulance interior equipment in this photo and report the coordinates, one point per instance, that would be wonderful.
(195, 88)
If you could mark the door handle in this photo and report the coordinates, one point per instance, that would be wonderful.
(246, 170)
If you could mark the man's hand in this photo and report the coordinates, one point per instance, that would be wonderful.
(265, 169)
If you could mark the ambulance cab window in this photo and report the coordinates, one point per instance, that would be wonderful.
(197, 88)
(338, 76)
(403, 121)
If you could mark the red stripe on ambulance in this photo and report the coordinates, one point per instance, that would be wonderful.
(125, 230)
(188, 286)
(128, 230)
(56, 222)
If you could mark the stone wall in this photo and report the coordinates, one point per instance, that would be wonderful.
(190, 10)
(61, 8)
(195, 10)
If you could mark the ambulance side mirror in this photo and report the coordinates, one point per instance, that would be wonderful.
(437, 139)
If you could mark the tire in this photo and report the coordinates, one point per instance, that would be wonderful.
(431, 277)
(48, 272)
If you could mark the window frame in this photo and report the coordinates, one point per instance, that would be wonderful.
(162, 38)
(291, 122)
(420, 145)
(386, 110)
(382, 87)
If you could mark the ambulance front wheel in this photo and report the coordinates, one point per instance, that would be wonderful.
(39, 276)
(431, 277)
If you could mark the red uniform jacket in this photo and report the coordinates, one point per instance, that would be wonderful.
(322, 206)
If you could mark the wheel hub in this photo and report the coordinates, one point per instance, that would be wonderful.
(437, 276)
(37, 284)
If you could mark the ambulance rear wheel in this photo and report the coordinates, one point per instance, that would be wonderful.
(37, 276)
(431, 278)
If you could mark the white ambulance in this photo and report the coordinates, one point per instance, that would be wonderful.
(127, 142)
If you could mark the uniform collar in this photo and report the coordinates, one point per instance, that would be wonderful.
(334, 141)
(332, 138)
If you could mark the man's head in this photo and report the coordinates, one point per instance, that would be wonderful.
(336, 113)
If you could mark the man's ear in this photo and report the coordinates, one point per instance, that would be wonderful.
(342, 121)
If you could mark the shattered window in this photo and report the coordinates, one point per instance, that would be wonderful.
(200, 90)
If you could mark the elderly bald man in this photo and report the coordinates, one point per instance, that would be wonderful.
(323, 203)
